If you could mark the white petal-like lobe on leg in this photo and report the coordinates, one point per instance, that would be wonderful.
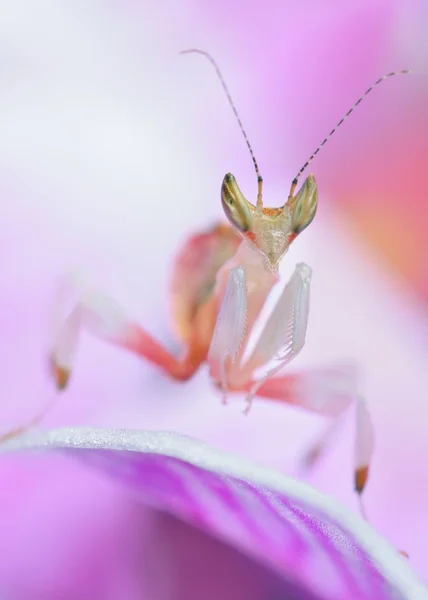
(104, 317)
(232, 318)
(66, 323)
(364, 436)
(327, 391)
(65, 344)
(99, 313)
(79, 306)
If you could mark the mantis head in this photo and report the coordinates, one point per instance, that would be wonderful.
(269, 230)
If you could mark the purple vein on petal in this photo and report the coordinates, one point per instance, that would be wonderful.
(222, 514)
(367, 583)
(290, 543)
(157, 485)
(341, 569)
(265, 528)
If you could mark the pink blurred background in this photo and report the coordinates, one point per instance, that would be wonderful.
(112, 151)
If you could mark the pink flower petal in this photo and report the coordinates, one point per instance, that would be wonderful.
(313, 547)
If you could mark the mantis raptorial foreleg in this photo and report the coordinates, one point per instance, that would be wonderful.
(283, 335)
(229, 331)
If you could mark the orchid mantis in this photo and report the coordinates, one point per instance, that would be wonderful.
(221, 282)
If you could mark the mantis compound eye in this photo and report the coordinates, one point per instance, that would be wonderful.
(235, 206)
(304, 205)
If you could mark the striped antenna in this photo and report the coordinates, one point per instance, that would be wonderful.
(351, 110)
(229, 97)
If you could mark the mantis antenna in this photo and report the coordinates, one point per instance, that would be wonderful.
(229, 97)
(336, 127)
(325, 140)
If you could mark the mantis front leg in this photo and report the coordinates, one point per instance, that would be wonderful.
(230, 328)
(282, 338)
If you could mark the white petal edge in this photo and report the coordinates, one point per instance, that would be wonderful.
(392, 565)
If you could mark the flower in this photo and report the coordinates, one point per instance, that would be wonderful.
(298, 543)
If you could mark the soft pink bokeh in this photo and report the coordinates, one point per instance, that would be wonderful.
(112, 150)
